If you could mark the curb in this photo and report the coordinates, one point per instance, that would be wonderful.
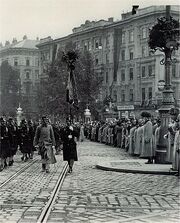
(156, 172)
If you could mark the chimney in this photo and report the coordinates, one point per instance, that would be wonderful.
(1, 45)
(14, 40)
(135, 9)
(37, 38)
(7, 43)
(111, 19)
(24, 37)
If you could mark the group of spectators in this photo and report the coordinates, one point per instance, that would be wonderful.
(140, 137)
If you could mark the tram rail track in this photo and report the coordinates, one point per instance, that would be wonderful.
(18, 173)
(48, 207)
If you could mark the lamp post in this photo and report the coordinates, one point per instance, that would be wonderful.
(19, 115)
(164, 37)
(71, 92)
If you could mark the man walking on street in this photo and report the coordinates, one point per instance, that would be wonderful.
(44, 141)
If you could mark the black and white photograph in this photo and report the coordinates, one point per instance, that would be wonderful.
(89, 111)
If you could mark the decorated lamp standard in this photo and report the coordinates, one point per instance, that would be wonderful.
(19, 115)
(71, 90)
(164, 36)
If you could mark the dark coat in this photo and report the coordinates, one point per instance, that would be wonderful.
(5, 141)
(69, 145)
(13, 129)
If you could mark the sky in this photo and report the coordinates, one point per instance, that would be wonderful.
(57, 18)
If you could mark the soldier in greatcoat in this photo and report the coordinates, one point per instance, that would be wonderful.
(147, 151)
(25, 143)
(132, 137)
(5, 141)
(170, 136)
(44, 142)
(15, 139)
(139, 132)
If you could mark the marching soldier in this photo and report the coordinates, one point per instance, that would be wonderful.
(5, 140)
(13, 129)
(44, 141)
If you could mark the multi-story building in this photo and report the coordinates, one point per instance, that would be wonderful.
(122, 57)
(24, 56)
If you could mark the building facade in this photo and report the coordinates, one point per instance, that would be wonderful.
(131, 73)
(24, 56)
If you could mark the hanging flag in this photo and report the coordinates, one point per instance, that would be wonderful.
(71, 90)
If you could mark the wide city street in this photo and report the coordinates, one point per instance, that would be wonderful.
(87, 194)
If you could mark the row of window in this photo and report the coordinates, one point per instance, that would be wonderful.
(131, 95)
(27, 74)
(28, 62)
(131, 35)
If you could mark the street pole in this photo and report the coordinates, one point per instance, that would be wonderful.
(167, 103)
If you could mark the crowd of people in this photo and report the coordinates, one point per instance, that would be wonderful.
(138, 137)
(47, 138)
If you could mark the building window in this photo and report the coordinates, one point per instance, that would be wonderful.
(123, 55)
(27, 62)
(143, 51)
(143, 71)
(107, 77)
(131, 95)
(97, 45)
(115, 76)
(144, 33)
(37, 62)
(28, 88)
(150, 70)
(96, 61)
(37, 74)
(173, 70)
(122, 75)
(131, 36)
(107, 58)
(131, 54)
(107, 41)
(143, 94)
(123, 96)
(131, 74)
(150, 92)
(15, 62)
(114, 96)
(123, 38)
(27, 75)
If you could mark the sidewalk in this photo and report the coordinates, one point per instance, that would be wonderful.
(136, 166)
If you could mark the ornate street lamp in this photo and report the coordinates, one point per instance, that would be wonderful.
(71, 91)
(19, 113)
(164, 36)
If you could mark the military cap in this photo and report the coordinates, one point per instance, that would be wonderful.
(145, 114)
(174, 111)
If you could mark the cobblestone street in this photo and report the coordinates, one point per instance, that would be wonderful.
(92, 195)
(88, 194)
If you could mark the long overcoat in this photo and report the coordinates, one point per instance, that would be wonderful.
(147, 140)
(176, 152)
(132, 140)
(138, 142)
(69, 145)
(44, 138)
(5, 141)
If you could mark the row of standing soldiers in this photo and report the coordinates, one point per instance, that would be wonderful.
(139, 137)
